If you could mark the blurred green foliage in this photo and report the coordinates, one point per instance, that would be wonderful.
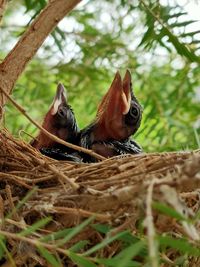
(156, 42)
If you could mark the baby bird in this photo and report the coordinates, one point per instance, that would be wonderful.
(60, 121)
(118, 117)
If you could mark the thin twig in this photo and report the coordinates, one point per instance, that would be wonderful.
(3, 4)
(34, 242)
(63, 177)
(11, 203)
(153, 255)
(82, 212)
(1, 210)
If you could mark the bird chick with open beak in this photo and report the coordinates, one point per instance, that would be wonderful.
(60, 121)
(118, 117)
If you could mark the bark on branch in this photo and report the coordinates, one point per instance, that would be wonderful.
(15, 62)
(2, 8)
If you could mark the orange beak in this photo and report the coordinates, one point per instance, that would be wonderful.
(127, 91)
(60, 98)
(114, 105)
(118, 98)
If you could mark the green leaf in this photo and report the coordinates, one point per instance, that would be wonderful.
(49, 257)
(189, 33)
(2, 246)
(179, 244)
(56, 235)
(176, 15)
(104, 243)
(113, 262)
(149, 34)
(129, 238)
(81, 261)
(78, 246)
(28, 4)
(181, 48)
(101, 228)
(57, 41)
(125, 256)
(60, 32)
(4, 250)
(74, 231)
(22, 202)
(181, 24)
(26, 198)
(34, 227)
(42, 3)
(168, 211)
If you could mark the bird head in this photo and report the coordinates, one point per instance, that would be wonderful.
(119, 113)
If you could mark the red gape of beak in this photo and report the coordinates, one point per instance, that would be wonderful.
(112, 109)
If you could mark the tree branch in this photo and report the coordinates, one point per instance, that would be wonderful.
(2, 8)
(15, 62)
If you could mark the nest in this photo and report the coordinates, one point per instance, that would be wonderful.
(117, 191)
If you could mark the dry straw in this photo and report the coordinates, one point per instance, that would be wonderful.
(113, 189)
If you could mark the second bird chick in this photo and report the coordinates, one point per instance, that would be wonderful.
(60, 121)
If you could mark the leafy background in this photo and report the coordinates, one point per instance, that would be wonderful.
(160, 43)
(157, 40)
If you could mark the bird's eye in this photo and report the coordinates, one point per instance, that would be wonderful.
(134, 112)
(62, 112)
